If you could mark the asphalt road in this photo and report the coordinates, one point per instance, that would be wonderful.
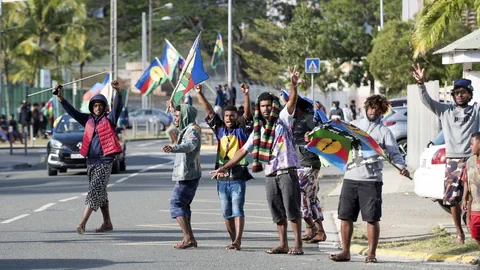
(39, 215)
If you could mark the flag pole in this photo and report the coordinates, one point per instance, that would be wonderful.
(72, 82)
(183, 70)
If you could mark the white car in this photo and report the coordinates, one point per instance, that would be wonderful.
(429, 177)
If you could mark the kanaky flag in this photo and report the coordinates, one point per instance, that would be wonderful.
(217, 51)
(170, 59)
(369, 146)
(107, 89)
(333, 144)
(192, 74)
(152, 77)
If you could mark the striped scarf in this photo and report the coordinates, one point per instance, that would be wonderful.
(262, 147)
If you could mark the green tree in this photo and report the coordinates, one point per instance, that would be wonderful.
(435, 19)
(392, 57)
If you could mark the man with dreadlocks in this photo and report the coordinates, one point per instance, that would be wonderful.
(271, 144)
(362, 186)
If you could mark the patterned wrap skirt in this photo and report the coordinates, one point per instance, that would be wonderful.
(98, 177)
(309, 187)
(453, 186)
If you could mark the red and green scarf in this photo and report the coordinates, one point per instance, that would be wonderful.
(262, 146)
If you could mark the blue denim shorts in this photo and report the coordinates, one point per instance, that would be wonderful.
(232, 197)
(182, 196)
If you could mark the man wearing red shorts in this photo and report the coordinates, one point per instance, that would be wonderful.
(471, 195)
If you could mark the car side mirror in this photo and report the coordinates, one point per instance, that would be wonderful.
(429, 144)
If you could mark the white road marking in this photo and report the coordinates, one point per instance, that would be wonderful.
(109, 185)
(45, 207)
(84, 194)
(133, 175)
(147, 144)
(15, 218)
(69, 199)
(121, 180)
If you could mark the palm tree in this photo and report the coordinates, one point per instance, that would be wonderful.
(434, 20)
(54, 30)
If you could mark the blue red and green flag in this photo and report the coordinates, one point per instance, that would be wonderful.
(217, 51)
(170, 59)
(368, 144)
(192, 74)
(152, 77)
(332, 144)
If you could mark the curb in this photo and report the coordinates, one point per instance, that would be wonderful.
(407, 255)
(423, 256)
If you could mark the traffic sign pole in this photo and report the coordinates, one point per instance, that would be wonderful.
(313, 96)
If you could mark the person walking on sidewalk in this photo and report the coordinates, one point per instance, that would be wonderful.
(459, 122)
(308, 174)
(471, 196)
(186, 169)
(272, 146)
(231, 133)
(362, 186)
(100, 145)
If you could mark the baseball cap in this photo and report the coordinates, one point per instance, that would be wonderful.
(463, 83)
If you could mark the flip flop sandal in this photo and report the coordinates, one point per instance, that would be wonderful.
(371, 259)
(294, 251)
(314, 241)
(276, 250)
(338, 258)
(233, 247)
(185, 245)
(80, 229)
(104, 229)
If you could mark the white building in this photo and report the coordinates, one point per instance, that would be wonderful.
(410, 8)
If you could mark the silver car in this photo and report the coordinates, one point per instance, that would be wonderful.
(142, 116)
(397, 123)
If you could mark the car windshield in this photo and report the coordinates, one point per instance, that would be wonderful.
(439, 139)
(68, 125)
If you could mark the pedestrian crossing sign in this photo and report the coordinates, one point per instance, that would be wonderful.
(312, 65)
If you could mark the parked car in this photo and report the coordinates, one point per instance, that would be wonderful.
(142, 116)
(64, 146)
(429, 177)
(398, 102)
(396, 121)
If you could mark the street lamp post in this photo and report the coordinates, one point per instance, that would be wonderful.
(150, 30)
(229, 72)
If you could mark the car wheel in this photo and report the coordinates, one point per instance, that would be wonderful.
(116, 167)
(402, 146)
(63, 170)
(51, 171)
(446, 208)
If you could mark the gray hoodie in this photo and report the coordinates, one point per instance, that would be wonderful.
(458, 124)
(384, 137)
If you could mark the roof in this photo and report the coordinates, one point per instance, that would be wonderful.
(468, 42)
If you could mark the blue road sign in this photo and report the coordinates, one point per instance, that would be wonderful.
(312, 65)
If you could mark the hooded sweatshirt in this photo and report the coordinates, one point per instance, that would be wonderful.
(187, 157)
(384, 137)
(458, 124)
(95, 153)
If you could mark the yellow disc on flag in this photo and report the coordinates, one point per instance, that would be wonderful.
(329, 146)
(156, 73)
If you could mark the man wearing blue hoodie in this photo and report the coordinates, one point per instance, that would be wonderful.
(459, 122)
(100, 145)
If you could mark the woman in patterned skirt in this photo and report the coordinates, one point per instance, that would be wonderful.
(100, 145)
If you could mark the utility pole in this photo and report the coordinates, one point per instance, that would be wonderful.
(144, 52)
(229, 72)
(113, 39)
(1, 58)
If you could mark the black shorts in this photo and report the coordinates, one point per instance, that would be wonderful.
(283, 197)
(364, 196)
